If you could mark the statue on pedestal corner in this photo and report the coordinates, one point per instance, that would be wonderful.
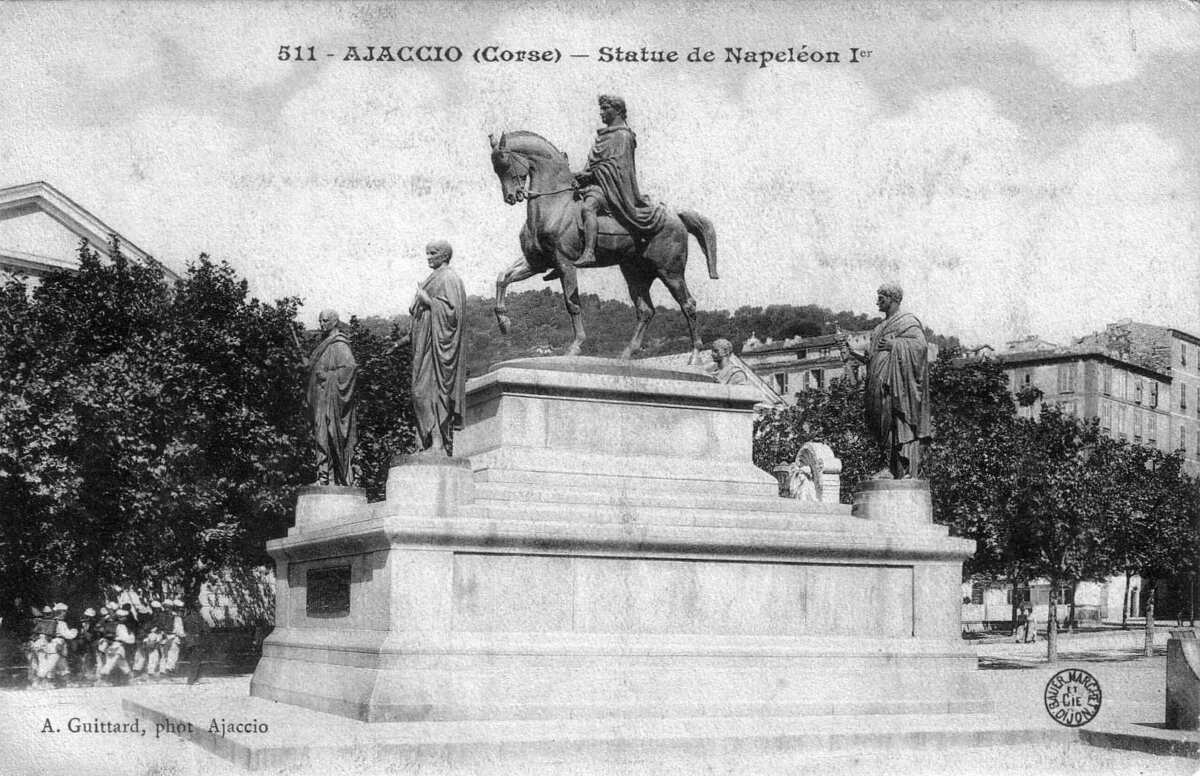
(439, 369)
(727, 370)
(330, 401)
(896, 398)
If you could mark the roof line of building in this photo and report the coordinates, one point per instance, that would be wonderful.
(1097, 352)
(40, 197)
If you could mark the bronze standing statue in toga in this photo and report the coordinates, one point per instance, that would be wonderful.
(897, 388)
(330, 400)
(439, 370)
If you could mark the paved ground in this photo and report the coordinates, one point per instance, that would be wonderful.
(1014, 673)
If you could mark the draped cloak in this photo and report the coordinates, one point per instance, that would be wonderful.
(897, 398)
(439, 371)
(611, 164)
(331, 379)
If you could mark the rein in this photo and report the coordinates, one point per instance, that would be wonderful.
(536, 194)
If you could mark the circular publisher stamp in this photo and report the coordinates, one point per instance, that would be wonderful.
(1072, 697)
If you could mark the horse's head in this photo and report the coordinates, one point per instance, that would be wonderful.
(511, 168)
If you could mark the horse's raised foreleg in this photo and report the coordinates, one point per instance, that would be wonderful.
(518, 271)
(687, 304)
(639, 292)
(570, 289)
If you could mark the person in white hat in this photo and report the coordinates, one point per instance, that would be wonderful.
(159, 632)
(83, 649)
(52, 649)
(171, 625)
(147, 638)
(43, 630)
(117, 649)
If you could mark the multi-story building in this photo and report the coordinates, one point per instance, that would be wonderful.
(799, 363)
(1141, 381)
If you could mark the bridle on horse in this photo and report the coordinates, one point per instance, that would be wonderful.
(523, 175)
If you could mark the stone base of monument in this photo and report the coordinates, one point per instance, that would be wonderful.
(300, 739)
(610, 552)
(1183, 680)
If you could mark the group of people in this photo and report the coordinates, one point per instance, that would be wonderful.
(118, 644)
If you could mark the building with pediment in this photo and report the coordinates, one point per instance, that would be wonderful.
(40, 230)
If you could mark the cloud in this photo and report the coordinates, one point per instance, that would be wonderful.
(326, 180)
(1094, 44)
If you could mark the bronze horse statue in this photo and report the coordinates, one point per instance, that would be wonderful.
(530, 168)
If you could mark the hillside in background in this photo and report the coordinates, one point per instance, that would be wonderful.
(541, 327)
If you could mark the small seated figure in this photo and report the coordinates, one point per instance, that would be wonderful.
(803, 485)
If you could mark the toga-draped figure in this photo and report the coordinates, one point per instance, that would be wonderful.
(330, 399)
(439, 371)
(609, 182)
(897, 388)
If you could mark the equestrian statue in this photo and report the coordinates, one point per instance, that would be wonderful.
(597, 218)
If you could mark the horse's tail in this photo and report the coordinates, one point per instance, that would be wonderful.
(702, 229)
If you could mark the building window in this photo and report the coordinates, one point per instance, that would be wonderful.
(1105, 416)
(1107, 379)
(1066, 377)
(1198, 399)
(1182, 354)
(977, 593)
(1121, 420)
(1183, 397)
(781, 381)
(1021, 597)
(1041, 595)
(1153, 394)
(1152, 431)
(819, 378)
(1183, 439)
(1137, 427)
(1137, 391)
(1069, 408)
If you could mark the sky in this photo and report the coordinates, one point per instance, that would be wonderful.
(1019, 168)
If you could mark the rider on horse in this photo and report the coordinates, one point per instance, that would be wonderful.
(609, 182)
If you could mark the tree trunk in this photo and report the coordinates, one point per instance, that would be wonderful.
(1052, 624)
(1015, 605)
(1148, 647)
(1126, 602)
(1071, 623)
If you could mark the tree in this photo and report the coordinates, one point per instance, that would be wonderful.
(150, 433)
(1061, 504)
(834, 417)
(154, 436)
(385, 420)
(972, 463)
(1153, 528)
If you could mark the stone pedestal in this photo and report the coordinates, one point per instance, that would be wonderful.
(432, 485)
(1183, 680)
(326, 505)
(612, 552)
(895, 502)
